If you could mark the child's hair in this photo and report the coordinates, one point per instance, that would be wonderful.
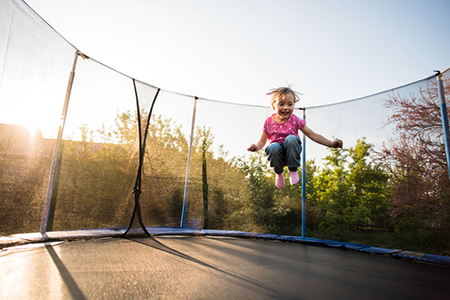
(281, 92)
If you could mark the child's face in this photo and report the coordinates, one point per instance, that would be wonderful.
(284, 107)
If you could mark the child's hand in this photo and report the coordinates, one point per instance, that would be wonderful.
(337, 144)
(252, 148)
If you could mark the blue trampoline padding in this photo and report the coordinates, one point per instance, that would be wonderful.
(431, 258)
(26, 238)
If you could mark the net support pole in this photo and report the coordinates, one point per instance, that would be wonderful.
(444, 117)
(304, 181)
(188, 167)
(49, 209)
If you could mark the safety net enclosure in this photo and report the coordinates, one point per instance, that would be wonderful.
(85, 146)
(35, 67)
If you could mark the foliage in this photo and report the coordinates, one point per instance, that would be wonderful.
(350, 191)
(97, 179)
(416, 159)
(22, 188)
(274, 210)
(93, 179)
(205, 181)
(260, 198)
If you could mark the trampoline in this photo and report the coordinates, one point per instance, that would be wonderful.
(210, 267)
(117, 152)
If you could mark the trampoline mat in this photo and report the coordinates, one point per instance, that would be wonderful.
(190, 267)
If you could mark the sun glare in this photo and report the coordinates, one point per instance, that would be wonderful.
(36, 122)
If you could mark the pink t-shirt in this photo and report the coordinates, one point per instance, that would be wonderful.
(277, 133)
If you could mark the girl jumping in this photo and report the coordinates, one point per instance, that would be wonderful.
(281, 130)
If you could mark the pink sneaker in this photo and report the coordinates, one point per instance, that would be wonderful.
(279, 181)
(293, 177)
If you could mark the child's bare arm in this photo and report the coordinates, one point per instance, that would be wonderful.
(321, 139)
(259, 144)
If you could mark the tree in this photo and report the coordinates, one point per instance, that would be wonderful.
(288, 203)
(350, 191)
(205, 181)
(260, 199)
(25, 160)
(417, 162)
(95, 179)
(226, 189)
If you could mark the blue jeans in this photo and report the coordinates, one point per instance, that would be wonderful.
(286, 154)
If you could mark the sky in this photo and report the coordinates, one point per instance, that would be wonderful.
(237, 50)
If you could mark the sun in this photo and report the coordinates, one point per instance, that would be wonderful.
(38, 125)
(40, 128)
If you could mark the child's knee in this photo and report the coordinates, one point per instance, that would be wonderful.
(273, 148)
(293, 139)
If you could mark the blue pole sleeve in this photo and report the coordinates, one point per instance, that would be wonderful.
(304, 182)
(444, 117)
